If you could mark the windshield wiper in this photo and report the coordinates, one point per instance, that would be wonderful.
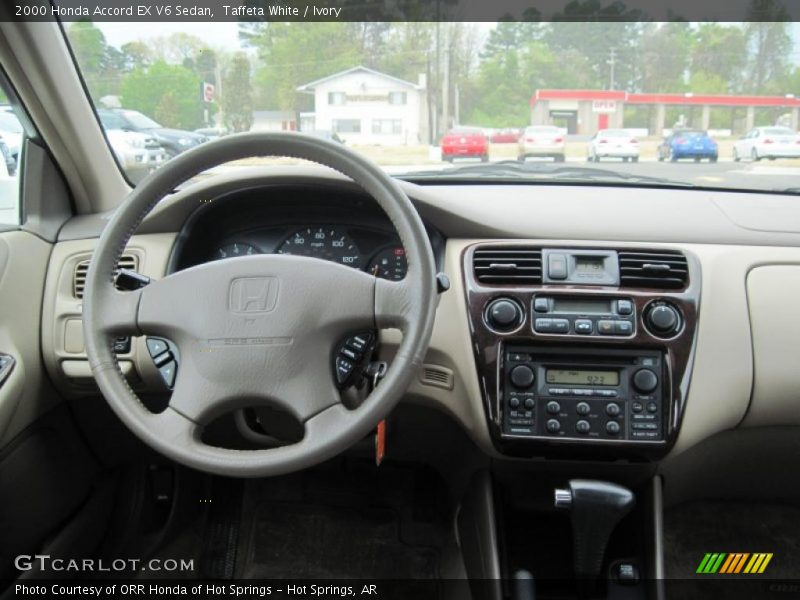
(545, 172)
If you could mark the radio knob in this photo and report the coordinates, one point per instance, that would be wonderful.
(522, 376)
(645, 381)
(663, 320)
(504, 314)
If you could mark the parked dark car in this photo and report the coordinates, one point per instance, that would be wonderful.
(174, 141)
(688, 143)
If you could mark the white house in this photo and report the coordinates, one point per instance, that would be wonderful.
(274, 120)
(363, 106)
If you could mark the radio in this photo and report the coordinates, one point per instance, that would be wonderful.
(561, 393)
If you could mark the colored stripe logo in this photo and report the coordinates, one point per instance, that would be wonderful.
(734, 563)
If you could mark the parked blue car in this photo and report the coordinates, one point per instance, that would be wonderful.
(688, 143)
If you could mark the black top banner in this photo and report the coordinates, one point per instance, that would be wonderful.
(399, 10)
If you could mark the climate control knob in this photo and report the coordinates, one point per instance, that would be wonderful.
(663, 320)
(503, 314)
(645, 381)
(522, 376)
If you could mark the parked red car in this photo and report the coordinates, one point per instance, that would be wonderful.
(465, 142)
(505, 136)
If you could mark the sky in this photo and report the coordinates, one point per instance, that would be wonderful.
(218, 34)
(224, 35)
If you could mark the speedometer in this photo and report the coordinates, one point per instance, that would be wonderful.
(327, 243)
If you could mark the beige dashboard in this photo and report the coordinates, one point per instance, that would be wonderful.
(745, 362)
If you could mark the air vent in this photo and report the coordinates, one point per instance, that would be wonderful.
(127, 261)
(662, 269)
(508, 265)
(436, 376)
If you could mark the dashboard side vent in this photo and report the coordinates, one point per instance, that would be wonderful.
(521, 265)
(127, 261)
(436, 376)
(662, 269)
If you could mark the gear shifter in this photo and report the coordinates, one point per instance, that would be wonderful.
(595, 509)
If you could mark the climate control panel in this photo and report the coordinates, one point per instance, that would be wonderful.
(558, 393)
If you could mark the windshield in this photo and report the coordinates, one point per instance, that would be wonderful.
(673, 103)
(9, 123)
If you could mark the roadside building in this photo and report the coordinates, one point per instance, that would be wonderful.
(274, 120)
(585, 112)
(364, 106)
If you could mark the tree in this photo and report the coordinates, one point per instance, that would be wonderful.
(721, 51)
(237, 94)
(664, 57)
(89, 45)
(292, 54)
(168, 93)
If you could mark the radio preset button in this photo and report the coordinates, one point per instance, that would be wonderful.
(553, 426)
(553, 407)
(612, 427)
(584, 326)
(583, 426)
(522, 376)
(583, 408)
(612, 409)
(652, 407)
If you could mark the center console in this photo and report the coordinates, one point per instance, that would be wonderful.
(582, 348)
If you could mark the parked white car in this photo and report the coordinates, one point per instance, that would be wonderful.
(136, 151)
(11, 131)
(768, 142)
(542, 140)
(613, 143)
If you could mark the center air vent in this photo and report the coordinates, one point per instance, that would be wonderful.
(127, 261)
(662, 269)
(506, 265)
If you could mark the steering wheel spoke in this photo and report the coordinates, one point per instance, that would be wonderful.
(122, 315)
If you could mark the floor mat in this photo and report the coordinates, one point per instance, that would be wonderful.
(693, 529)
(327, 542)
(368, 523)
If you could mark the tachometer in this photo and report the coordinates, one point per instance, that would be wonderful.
(327, 243)
(389, 263)
(235, 249)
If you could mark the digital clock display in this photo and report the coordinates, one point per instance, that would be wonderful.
(582, 377)
(589, 264)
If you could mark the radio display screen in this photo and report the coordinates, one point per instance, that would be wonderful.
(582, 377)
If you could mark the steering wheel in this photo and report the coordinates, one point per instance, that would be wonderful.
(258, 330)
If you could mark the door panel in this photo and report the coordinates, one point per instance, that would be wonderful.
(25, 394)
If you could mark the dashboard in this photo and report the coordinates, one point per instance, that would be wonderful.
(724, 368)
(344, 228)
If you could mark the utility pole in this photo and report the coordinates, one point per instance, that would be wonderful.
(446, 83)
(612, 61)
(220, 120)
